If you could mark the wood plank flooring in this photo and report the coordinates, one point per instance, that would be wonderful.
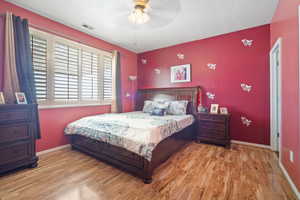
(199, 171)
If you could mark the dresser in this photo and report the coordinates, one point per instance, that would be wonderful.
(17, 137)
(213, 128)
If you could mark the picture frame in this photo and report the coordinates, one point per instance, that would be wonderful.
(181, 73)
(214, 108)
(223, 111)
(2, 100)
(21, 98)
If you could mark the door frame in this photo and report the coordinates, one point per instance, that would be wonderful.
(273, 134)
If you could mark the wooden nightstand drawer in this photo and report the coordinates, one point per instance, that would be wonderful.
(213, 128)
(212, 117)
(211, 125)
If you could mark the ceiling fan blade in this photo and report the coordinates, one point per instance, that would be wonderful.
(159, 20)
(165, 5)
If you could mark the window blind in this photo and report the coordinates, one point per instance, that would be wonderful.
(39, 64)
(67, 72)
(90, 75)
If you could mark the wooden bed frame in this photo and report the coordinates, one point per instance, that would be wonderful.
(134, 163)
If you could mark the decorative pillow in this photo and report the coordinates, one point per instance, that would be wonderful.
(161, 104)
(158, 112)
(177, 108)
(148, 106)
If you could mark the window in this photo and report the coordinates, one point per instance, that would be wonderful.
(67, 72)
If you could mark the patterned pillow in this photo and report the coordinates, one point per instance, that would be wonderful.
(158, 112)
(177, 108)
(148, 106)
(162, 104)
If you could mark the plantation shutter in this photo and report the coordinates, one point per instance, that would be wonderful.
(69, 73)
(107, 78)
(66, 73)
(39, 64)
(90, 76)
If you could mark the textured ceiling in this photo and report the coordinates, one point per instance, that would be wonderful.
(194, 19)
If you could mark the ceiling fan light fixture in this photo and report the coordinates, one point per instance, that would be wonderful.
(139, 14)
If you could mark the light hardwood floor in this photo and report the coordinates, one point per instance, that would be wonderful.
(199, 171)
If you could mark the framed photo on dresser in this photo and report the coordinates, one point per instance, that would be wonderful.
(2, 100)
(21, 98)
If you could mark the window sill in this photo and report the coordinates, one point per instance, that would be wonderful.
(44, 107)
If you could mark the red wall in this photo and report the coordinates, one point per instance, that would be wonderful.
(285, 25)
(236, 64)
(53, 121)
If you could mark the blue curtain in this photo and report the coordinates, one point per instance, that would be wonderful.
(118, 83)
(24, 63)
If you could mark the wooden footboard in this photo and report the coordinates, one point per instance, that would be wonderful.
(129, 161)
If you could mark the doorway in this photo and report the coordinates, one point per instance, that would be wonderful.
(275, 96)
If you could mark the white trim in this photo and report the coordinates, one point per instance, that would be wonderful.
(45, 107)
(251, 144)
(53, 149)
(273, 138)
(286, 174)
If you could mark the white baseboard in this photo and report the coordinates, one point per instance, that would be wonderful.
(294, 188)
(53, 149)
(252, 144)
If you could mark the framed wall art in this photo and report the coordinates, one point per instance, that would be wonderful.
(181, 73)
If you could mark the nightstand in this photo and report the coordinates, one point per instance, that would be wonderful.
(213, 128)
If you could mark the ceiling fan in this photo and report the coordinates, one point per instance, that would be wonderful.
(145, 13)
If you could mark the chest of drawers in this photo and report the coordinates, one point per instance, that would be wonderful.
(17, 137)
(213, 128)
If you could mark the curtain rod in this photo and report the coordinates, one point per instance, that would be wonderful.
(66, 36)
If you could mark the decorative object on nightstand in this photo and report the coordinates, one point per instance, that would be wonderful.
(223, 111)
(214, 108)
(202, 109)
(213, 128)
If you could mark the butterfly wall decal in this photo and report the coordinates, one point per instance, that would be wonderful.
(247, 43)
(210, 95)
(212, 66)
(144, 61)
(180, 56)
(157, 71)
(245, 87)
(245, 121)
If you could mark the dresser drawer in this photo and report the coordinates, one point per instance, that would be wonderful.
(211, 117)
(211, 125)
(15, 152)
(18, 115)
(212, 134)
(14, 132)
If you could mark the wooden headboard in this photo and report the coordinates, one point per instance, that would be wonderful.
(190, 94)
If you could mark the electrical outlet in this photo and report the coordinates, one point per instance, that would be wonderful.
(292, 156)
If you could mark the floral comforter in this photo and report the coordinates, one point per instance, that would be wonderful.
(137, 132)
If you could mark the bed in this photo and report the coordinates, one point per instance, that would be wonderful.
(137, 142)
